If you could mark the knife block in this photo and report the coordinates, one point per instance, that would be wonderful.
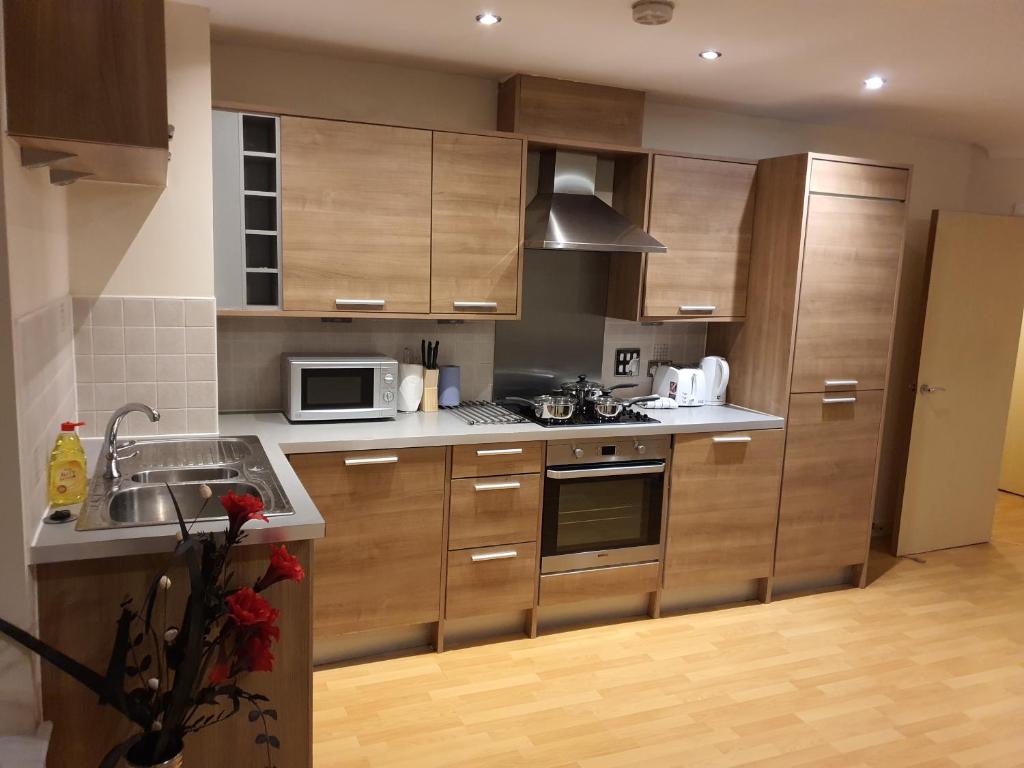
(430, 377)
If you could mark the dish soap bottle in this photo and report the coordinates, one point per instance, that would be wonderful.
(67, 478)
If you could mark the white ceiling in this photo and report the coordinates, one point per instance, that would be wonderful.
(955, 67)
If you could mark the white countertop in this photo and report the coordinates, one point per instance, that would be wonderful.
(59, 543)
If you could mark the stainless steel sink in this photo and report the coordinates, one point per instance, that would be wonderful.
(185, 475)
(157, 468)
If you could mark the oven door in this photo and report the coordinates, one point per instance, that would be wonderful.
(602, 514)
(324, 392)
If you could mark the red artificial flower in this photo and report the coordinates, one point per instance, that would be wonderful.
(247, 609)
(241, 509)
(253, 652)
(221, 670)
(283, 566)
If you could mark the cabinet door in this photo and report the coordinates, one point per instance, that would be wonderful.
(489, 511)
(475, 224)
(826, 505)
(355, 202)
(848, 291)
(379, 564)
(723, 507)
(703, 210)
(491, 580)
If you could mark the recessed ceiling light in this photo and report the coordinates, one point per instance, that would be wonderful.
(488, 19)
(710, 55)
(874, 82)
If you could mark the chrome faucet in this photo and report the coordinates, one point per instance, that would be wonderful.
(110, 448)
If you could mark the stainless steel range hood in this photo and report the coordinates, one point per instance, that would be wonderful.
(567, 215)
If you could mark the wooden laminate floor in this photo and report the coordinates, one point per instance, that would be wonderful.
(925, 667)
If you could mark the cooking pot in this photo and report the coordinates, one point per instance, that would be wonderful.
(549, 407)
(609, 407)
(583, 389)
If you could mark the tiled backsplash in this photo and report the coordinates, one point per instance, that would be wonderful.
(46, 394)
(251, 349)
(158, 351)
(678, 342)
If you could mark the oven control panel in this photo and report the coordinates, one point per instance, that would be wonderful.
(608, 450)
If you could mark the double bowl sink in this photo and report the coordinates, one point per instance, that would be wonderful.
(158, 473)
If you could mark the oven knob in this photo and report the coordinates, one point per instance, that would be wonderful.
(388, 396)
(577, 452)
(389, 378)
(640, 447)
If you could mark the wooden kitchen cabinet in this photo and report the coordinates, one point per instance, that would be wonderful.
(828, 482)
(703, 211)
(87, 87)
(497, 459)
(355, 202)
(491, 580)
(476, 223)
(847, 293)
(488, 511)
(379, 564)
(723, 507)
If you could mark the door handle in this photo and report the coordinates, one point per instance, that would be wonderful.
(841, 382)
(838, 400)
(925, 389)
(483, 306)
(703, 308)
(732, 439)
(497, 486)
(367, 303)
(483, 556)
(499, 452)
(371, 460)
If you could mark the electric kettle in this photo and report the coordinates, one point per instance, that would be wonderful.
(716, 379)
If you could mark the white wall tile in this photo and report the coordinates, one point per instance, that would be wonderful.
(138, 424)
(141, 392)
(83, 340)
(108, 368)
(170, 341)
(169, 312)
(170, 368)
(139, 313)
(139, 341)
(86, 401)
(107, 340)
(173, 421)
(201, 367)
(107, 310)
(200, 313)
(202, 394)
(202, 420)
(109, 397)
(171, 394)
(201, 340)
(83, 368)
(140, 368)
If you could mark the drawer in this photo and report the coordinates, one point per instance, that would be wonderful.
(826, 504)
(487, 511)
(497, 459)
(832, 177)
(723, 507)
(574, 587)
(491, 580)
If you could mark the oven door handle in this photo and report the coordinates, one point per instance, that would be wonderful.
(606, 471)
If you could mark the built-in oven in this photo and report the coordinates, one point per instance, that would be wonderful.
(338, 388)
(603, 502)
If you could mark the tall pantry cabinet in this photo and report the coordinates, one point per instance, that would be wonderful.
(817, 344)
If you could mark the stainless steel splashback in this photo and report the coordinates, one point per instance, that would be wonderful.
(561, 334)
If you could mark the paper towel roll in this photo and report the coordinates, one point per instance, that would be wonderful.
(410, 387)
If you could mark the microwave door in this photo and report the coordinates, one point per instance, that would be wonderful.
(337, 389)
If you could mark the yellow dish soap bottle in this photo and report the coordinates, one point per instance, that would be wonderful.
(68, 479)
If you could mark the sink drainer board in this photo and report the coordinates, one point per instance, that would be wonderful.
(140, 497)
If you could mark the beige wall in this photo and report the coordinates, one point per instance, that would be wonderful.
(996, 185)
(134, 241)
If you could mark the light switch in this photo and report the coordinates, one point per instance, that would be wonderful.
(627, 362)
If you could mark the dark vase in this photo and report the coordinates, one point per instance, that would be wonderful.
(142, 754)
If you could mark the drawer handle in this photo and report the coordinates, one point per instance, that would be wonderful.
(698, 308)
(838, 400)
(369, 303)
(485, 306)
(483, 556)
(371, 460)
(512, 486)
(732, 439)
(499, 452)
(841, 382)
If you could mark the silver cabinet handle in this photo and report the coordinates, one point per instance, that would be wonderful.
(371, 460)
(499, 452)
(369, 303)
(838, 400)
(926, 389)
(486, 306)
(841, 382)
(732, 439)
(611, 469)
(496, 486)
(506, 555)
(698, 307)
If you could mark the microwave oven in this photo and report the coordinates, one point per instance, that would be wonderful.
(338, 388)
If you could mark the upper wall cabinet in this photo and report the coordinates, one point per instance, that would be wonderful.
(355, 203)
(703, 210)
(475, 224)
(87, 88)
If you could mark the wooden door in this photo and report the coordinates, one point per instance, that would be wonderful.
(355, 203)
(723, 508)
(475, 224)
(379, 564)
(848, 293)
(703, 210)
(1011, 478)
(828, 482)
(968, 352)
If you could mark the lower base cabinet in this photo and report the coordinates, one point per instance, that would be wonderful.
(491, 580)
(575, 586)
(723, 507)
(379, 563)
(825, 512)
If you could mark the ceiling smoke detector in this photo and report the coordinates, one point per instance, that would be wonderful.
(653, 12)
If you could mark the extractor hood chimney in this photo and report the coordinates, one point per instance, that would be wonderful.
(567, 215)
